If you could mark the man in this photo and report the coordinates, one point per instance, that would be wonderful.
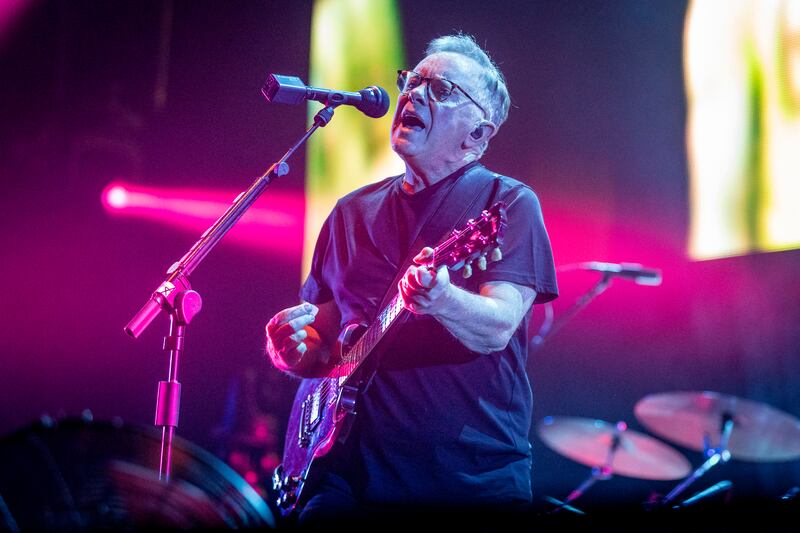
(445, 420)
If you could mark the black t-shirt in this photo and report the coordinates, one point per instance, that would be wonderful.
(439, 423)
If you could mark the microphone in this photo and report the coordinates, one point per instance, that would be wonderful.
(280, 89)
(634, 271)
(707, 493)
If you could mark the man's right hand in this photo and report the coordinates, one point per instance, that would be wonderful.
(287, 335)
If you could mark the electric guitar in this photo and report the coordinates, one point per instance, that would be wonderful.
(324, 408)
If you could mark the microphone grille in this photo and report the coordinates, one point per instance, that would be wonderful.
(375, 101)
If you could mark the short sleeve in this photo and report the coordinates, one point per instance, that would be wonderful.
(527, 255)
(315, 289)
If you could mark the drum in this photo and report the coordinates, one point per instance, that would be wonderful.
(82, 474)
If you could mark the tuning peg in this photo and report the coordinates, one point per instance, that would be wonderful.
(467, 270)
(497, 255)
(482, 262)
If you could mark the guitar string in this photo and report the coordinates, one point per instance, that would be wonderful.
(355, 356)
(389, 314)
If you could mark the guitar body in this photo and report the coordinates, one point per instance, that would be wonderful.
(324, 408)
(322, 414)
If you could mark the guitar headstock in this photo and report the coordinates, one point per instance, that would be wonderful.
(470, 245)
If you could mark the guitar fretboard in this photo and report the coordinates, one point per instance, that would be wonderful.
(470, 241)
(369, 339)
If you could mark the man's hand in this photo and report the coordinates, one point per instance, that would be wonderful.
(423, 289)
(286, 334)
(483, 322)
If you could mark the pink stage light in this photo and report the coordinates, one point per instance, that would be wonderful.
(274, 223)
(10, 13)
(115, 197)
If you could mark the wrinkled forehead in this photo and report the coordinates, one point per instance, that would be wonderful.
(459, 69)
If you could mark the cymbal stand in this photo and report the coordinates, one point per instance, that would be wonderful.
(598, 473)
(714, 456)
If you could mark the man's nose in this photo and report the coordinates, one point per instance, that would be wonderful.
(419, 93)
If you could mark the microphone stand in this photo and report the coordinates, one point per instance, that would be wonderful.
(176, 297)
(549, 326)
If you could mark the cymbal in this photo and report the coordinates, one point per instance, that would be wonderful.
(760, 432)
(588, 441)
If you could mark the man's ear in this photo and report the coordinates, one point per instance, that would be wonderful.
(484, 131)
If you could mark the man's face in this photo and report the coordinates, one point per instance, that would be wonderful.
(427, 131)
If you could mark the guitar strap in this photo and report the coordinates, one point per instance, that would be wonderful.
(466, 190)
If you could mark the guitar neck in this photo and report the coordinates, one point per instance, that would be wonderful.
(374, 333)
(475, 239)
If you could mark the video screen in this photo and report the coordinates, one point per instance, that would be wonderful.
(742, 73)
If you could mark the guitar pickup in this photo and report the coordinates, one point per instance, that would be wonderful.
(311, 415)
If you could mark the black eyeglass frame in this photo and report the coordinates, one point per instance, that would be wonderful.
(405, 74)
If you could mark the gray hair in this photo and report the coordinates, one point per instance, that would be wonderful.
(494, 81)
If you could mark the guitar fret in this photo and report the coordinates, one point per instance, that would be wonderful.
(444, 254)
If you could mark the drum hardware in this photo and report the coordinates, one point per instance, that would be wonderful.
(717, 488)
(746, 430)
(791, 494)
(608, 449)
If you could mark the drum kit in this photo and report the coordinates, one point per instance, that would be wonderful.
(720, 426)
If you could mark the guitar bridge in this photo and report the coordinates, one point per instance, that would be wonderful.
(311, 413)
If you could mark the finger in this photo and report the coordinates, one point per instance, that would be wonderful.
(408, 302)
(412, 279)
(301, 321)
(413, 300)
(297, 351)
(299, 310)
(407, 277)
(417, 292)
(424, 255)
(402, 288)
(292, 342)
(405, 293)
(299, 336)
(291, 313)
(425, 278)
(291, 327)
(293, 355)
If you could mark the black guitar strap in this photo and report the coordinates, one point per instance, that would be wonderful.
(467, 191)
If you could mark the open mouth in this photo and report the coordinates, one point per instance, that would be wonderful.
(410, 120)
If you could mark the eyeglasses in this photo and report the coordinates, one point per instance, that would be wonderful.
(439, 89)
